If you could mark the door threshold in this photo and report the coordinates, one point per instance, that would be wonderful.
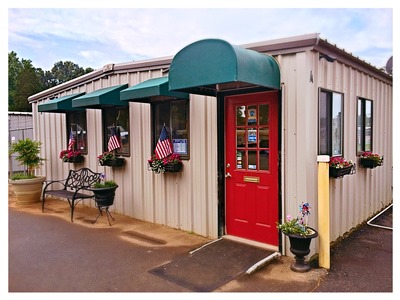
(251, 242)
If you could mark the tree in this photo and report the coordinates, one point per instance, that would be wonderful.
(14, 68)
(24, 80)
(27, 84)
(65, 71)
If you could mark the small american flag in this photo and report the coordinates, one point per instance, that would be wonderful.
(113, 142)
(163, 147)
(71, 141)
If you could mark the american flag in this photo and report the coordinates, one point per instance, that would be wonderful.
(113, 142)
(71, 141)
(163, 147)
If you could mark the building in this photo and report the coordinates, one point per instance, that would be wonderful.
(248, 121)
(19, 127)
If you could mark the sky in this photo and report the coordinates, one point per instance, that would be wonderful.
(94, 37)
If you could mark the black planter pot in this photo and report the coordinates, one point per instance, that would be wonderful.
(173, 168)
(337, 173)
(104, 196)
(300, 247)
(370, 163)
(117, 162)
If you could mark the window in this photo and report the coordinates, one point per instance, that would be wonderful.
(116, 119)
(364, 125)
(76, 126)
(175, 116)
(330, 123)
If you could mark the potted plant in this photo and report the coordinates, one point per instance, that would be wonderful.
(27, 186)
(370, 160)
(108, 158)
(338, 167)
(300, 236)
(71, 156)
(171, 164)
(104, 194)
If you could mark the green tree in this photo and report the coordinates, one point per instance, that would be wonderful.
(65, 71)
(14, 68)
(27, 84)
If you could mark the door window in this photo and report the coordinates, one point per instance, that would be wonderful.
(252, 137)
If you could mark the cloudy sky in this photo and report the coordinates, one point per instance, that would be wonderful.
(93, 37)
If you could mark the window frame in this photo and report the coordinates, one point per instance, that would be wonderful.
(156, 131)
(363, 101)
(114, 110)
(77, 114)
(329, 123)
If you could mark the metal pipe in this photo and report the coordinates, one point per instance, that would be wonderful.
(380, 226)
(262, 262)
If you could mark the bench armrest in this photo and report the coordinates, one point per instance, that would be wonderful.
(48, 183)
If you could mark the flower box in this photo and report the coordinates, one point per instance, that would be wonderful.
(339, 172)
(173, 168)
(170, 164)
(75, 160)
(117, 162)
(370, 160)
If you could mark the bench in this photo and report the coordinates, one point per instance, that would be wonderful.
(72, 188)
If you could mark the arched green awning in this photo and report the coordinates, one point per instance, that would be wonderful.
(155, 89)
(103, 97)
(213, 65)
(59, 105)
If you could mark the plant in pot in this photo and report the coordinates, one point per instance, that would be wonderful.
(171, 164)
(338, 167)
(104, 194)
(71, 156)
(27, 186)
(370, 160)
(108, 158)
(300, 236)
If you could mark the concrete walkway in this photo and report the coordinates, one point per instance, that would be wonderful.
(48, 253)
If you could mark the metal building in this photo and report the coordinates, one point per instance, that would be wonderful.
(249, 122)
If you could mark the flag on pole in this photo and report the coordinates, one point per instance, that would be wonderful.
(163, 147)
(113, 142)
(71, 141)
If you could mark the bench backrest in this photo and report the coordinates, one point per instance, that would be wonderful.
(82, 178)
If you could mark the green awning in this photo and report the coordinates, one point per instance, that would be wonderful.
(59, 105)
(156, 89)
(102, 97)
(212, 65)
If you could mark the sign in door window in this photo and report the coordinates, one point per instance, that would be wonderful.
(252, 137)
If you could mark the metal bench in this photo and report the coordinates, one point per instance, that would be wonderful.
(74, 188)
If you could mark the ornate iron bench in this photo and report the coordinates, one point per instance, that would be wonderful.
(74, 188)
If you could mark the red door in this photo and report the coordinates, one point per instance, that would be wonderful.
(251, 171)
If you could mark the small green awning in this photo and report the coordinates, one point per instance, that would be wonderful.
(155, 89)
(213, 65)
(59, 105)
(102, 97)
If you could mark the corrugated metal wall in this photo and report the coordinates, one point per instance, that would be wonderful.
(19, 127)
(354, 198)
(187, 200)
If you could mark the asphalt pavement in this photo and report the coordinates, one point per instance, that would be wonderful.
(48, 253)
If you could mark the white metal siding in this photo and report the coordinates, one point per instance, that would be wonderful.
(354, 198)
(187, 200)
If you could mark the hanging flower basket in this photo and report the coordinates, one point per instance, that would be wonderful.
(117, 162)
(173, 168)
(337, 173)
(109, 159)
(370, 160)
(339, 167)
(170, 164)
(71, 156)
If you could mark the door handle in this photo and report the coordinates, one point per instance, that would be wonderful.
(228, 175)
